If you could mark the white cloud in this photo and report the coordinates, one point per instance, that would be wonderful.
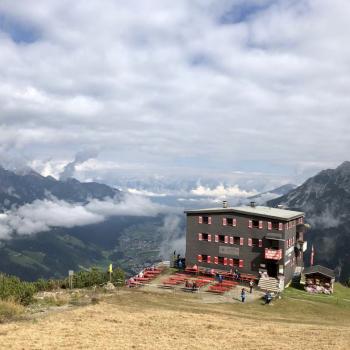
(43, 215)
(177, 87)
(221, 191)
(145, 193)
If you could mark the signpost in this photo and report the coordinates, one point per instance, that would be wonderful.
(70, 278)
(110, 270)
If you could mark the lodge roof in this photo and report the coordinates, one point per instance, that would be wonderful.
(275, 213)
(319, 269)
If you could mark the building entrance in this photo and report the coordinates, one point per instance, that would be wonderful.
(272, 268)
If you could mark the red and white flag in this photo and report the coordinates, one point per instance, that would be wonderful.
(312, 255)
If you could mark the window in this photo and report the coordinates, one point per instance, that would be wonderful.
(275, 225)
(222, 239)
(255, 223)
(206, 237)
(204, 258)
(221, 260)
(255, 242)
(236, 240)
(204, 220)
(229, 221)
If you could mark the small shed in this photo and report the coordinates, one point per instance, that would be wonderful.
(318, 279)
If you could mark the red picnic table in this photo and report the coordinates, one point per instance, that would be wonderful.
(141, 279)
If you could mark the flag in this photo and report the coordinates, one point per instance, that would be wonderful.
(110, 269)
(312, 255)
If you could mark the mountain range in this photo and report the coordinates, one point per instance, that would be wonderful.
(19, 189)
(325, 198)
(133, 241)
(124, 240)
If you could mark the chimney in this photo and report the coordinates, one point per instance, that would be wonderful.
(252, 204)
(224, 204)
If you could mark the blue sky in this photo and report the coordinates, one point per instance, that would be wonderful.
(235, 91)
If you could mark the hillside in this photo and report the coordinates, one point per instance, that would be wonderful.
(325, 198)
(134, 319)
(124, 240)
(18, 189)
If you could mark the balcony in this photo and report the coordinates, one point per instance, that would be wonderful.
(273, 254)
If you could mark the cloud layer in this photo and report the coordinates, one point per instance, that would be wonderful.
(43, 215)
(176, 87)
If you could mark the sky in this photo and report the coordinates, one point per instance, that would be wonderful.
(251, 93)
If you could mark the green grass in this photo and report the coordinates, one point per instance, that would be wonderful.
(340, 297)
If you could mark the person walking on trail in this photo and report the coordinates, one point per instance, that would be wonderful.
(251, 284)
(243, 295)
(268, 297)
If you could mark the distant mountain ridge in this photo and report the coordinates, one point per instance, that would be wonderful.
(261, 198)
(325, 198)
(24, 188)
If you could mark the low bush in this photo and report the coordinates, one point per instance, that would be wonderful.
(10, 310)
(12, 288)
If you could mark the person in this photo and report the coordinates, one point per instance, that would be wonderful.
(251, 284)
(220, 278)
(141, 274)
(180, 264)
(243, 295)
(194, 286)
(268, 297)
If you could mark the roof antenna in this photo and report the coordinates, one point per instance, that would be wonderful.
(252, 204)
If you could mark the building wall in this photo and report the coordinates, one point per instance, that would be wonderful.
(252, 256)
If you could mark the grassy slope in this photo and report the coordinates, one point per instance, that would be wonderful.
(134, 319)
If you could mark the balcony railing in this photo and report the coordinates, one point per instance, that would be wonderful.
(273, 254)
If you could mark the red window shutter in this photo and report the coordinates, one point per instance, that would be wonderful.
(234, 222)
(225, 261)
(216, 238)
(200, 219)
(231, 240)
(209, 220)
(280, 226)
(241, 241)
(209, 238)
(240, 263)
(269, 225)
(199, 258)
(260, 243)
(287, 226)
(250, 243)
(216, 260)
(226, 239)
(200, 237)
(250, 223)
(301, 220)
(231, 262)
(260, 224)
(224, 221)
(208, 259)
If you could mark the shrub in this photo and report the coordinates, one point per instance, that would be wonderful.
(12, 288)
(9, 310)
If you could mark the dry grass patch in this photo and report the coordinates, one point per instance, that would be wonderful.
(143, 320)
(10, 310)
